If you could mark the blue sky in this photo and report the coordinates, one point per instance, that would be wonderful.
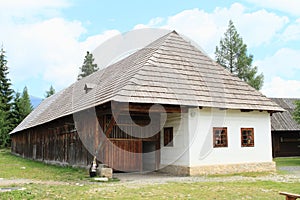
(46, 40)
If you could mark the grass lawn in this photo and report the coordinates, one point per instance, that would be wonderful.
(288, 161)
(14, 167)
(80, 186)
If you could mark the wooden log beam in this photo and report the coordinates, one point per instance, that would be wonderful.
(290, 196)
(116, 107)
(144, 108)
(110, 126)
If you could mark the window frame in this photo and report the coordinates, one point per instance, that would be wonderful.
(225, 135)
(250, 141)
(168, 137)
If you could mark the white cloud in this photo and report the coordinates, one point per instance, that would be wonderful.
(256, 28)
(152, 23)
(259, 27)
(288, 6)
(40, 49)
(284, 63)
(292, 32)
(282, 71)
(41, 44)
(93, 41)
(21, 11)
(43, 48)
(279, 87)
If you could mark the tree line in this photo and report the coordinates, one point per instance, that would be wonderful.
(14, 106)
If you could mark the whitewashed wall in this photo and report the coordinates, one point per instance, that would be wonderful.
(201, 123)
(179, 153)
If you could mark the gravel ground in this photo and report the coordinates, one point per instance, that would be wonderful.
(153, 177)
(292, 169)
(137, 179)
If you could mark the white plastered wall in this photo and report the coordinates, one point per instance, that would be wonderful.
(179, 153)
(201, 123)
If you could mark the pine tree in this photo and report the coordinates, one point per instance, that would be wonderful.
(21, 107)
(16, 110)
(88, 66)
(26, 106)
(6, 92)
(50, 92)
(296, 113)
(232, 54)
(6, 96)
(4, 129)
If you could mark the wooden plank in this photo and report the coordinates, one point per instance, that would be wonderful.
(290, 196)
(124, 155)
(144, 108)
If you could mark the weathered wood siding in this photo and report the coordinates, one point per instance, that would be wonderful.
(75, 139)
(124, 155)
(52, 143)
(286, 143)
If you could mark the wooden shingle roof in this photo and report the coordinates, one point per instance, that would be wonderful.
(168, 71)
(284, 121)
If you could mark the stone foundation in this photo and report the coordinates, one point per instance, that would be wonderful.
(220, 169)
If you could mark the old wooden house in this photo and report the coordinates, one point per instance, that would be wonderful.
(285, 130)
(165, 107)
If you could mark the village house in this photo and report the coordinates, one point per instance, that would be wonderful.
(285, 130)
(166, 107)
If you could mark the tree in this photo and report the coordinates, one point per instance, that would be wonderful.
(25, 103)
(6, 92)
(4, 129)
(88, 66)
(50, 92)
(296, 113)
(232, 55)
(21, 107)
(6, 96)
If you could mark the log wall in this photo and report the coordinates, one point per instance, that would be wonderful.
(55, 142)
(74, 140)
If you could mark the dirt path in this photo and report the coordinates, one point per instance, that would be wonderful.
(151, 178)
(137, 179)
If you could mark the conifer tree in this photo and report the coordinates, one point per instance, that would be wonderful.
(296, 113)
(50, 92)
(4, 129)
(88, 66)
(21, 107)
(6, 96)
(232, 54)
(6, 92)
(26, 106)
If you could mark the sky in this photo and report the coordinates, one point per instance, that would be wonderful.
(46, 41)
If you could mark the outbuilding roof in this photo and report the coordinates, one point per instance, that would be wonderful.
(284, 121)
(168, 71)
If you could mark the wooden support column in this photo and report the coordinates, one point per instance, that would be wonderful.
(115, 106)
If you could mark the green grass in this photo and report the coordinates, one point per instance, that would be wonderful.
(12, 167)
(197, 190)
(288, 161)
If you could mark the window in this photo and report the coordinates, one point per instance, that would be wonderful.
(247, 137)
(220, 137)
(168, 136)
